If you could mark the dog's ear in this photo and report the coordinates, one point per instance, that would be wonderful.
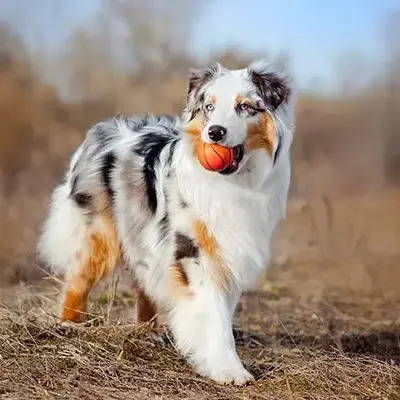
(272, 87)
(198, 79)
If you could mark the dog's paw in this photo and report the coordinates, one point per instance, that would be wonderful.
(225, 375)
(236, 377)
(69, 324)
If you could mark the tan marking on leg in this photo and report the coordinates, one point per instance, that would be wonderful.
(145, 308)
(262, 135)
(75, 301)
(178, 281)
(103, 255)
(221, 274)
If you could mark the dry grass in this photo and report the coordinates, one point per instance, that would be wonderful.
(328, 349)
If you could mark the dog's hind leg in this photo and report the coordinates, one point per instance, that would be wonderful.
(98, 257)
(81, 244)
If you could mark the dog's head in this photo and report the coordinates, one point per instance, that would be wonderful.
(239, 108)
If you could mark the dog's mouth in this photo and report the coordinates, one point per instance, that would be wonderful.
(237, 158)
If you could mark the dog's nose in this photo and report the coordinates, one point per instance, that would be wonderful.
(216, 132)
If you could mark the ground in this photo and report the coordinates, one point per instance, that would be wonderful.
(314, 328)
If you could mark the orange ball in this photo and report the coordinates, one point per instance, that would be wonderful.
(214, 157)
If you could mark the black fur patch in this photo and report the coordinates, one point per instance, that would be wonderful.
(150, 148)
(82, 199)
(273, 89)
(163, 226)
(106, 169)
(171, 152)
(202, 98)
(199, 78)
(277, 151)
(185, 247)
(172, 146)
(197, 81)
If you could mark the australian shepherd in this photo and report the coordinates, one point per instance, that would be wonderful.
(135, 194)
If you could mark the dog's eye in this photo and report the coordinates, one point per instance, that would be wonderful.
(210, 107)
(244, 106)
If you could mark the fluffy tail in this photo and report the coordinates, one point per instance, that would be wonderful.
(64, 232)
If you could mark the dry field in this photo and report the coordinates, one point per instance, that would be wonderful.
(322, 324)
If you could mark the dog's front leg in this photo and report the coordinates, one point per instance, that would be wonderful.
(202, 327)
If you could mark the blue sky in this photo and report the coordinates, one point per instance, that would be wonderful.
(317, 35)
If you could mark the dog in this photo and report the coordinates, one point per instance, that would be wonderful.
(135, 194)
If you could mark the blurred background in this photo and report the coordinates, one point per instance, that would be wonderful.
(64, 65)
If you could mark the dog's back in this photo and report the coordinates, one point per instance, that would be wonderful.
(80, 238)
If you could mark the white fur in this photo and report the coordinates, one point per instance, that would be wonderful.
(64, 231)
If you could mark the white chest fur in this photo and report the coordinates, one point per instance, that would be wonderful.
(242, 220)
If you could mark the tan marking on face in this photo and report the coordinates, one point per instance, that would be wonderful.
(197, 142)
(194, 129)
(262, 134)
(145, 308)
(245, 100)
(196, 125)
(221, 274)
(103, 254)
(178, 281)
(212, 99)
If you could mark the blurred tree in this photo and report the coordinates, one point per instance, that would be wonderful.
(145, 41)
(11, 44)
(157, 33)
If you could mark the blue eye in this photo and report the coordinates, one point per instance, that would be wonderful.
(210, 107)
(244, 107)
